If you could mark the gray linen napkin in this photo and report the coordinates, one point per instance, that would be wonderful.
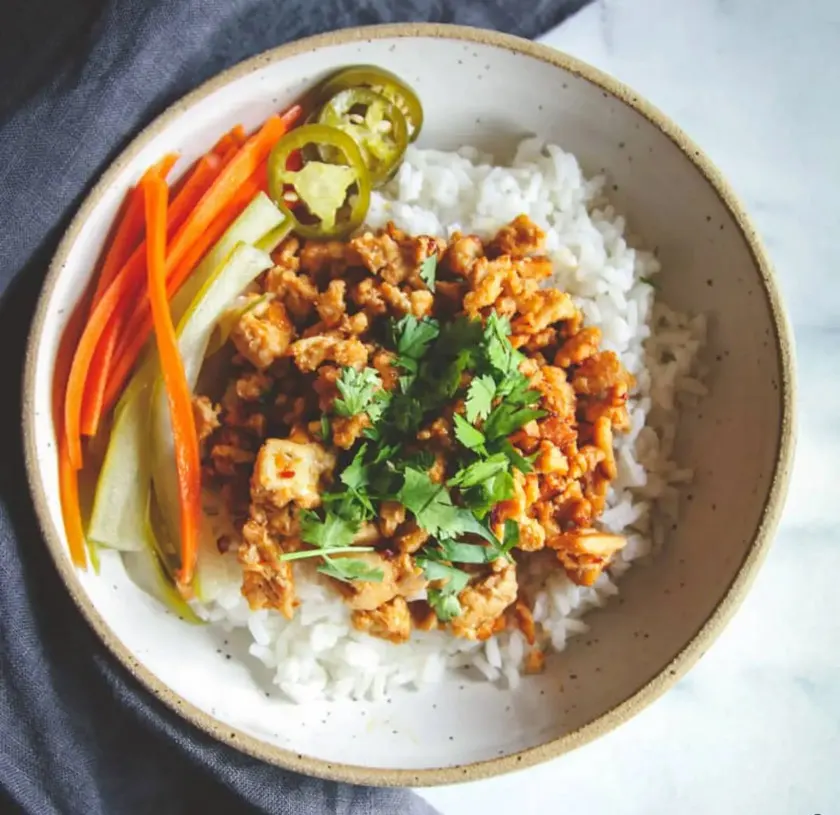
(77, 79)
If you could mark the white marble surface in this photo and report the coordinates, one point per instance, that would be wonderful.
(755, 726)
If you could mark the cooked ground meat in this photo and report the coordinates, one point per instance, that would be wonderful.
(286, 432)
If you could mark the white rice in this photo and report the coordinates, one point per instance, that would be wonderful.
(318, 654)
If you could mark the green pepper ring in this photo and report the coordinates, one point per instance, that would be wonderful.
(279, 176)
(381, 162)
(381, 81)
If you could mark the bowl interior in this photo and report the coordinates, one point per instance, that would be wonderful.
(475, 91)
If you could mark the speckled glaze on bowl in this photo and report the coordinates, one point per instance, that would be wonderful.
(484, 89)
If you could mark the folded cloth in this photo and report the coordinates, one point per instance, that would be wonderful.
(78, 78)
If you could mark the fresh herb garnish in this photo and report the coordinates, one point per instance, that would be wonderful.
(479, 471)
(428, 271)
(325, 428)
(445, 604)
(333, 532)
(348, 569)
(456, 552)
(480, 397)
(504, 358)
(484, 496)
(471, 437)
(459, 360)
(412, 338)
(511, 535)
(444, 600)
(356, 474)
(522, 463)
(507, 418)
(361, 392)
(333, 535)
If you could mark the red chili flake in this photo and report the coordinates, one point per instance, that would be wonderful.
(287, 474)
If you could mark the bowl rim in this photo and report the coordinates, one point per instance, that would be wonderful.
(641, 696)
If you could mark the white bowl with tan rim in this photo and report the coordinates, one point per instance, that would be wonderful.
(488, 90)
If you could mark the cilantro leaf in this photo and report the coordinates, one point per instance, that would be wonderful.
(483, 497)
(333, 536)
(454, 579)
(479, 471)
(461, 521)
(456, 552)
(372, 433)
(516, 389)
(412, 337)
(422, 460)
(407, 413)
(351, 505)
(385, 453)
(507, 418)
(359, 391)
(480, 397)
(432, 506)
(354, 504)
(522, 463)
(407, 380)
(444, 600)
(378, 405)
(428, 271)
(356, 474)
(472, 438)
(500, 353)
(333, 532)
(511, 535)
(419, 492)
(325, 428)
(444, 378)
(348, 569)
(445, 605)
(461, 335)
(497, 326)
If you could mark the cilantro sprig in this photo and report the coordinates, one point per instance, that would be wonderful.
(361, 392)
(480, 397)
(428, 271)
(411, 338)
(459, 362)
(451, 581)
(329, 536)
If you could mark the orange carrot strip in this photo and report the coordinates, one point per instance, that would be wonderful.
(138, 327)
(231, 140)
(204, 173)
(123, 289)
(129, 231)
(227, 155)
(129, 280)
(175, 380)
(68, 488)
(93, 400)
(234, 137)
(236, 173)
(128, 234)
(248, 162)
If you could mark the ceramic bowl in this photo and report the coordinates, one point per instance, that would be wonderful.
(484, 89)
